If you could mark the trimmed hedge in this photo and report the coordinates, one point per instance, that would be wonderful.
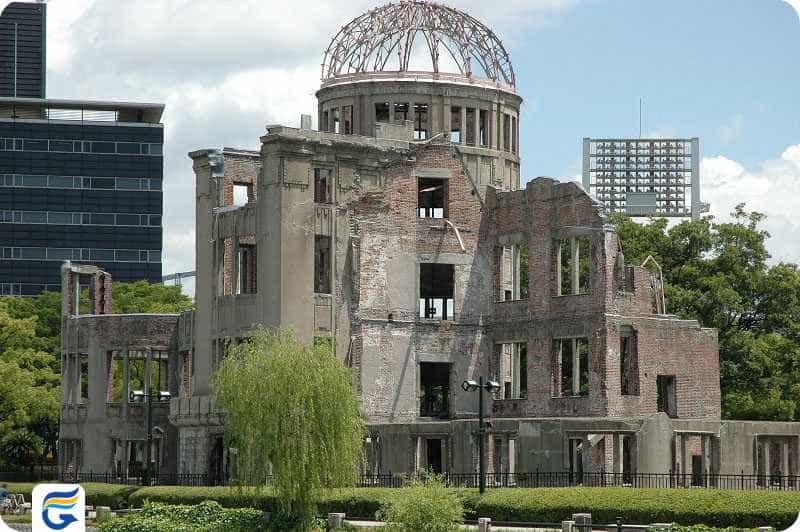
(97, 494)
(718, 508)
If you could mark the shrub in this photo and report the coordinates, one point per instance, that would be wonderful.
(207, 516)
(97, 494)
(423, 505)
(717, 508)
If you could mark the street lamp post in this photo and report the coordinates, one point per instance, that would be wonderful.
(480, 386)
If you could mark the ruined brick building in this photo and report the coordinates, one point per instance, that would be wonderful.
(399, 230)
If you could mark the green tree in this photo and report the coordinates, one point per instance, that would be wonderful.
(290, 409)
(717, 273)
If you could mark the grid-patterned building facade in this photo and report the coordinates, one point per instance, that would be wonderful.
(644, 177)
(79, 180)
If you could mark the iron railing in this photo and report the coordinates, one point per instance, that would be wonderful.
(536, 479)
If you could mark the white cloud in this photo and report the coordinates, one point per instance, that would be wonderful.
(771, 189)
(223, 69)
(795, 5)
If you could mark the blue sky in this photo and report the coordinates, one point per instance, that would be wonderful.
(724, 70)
(727, 71)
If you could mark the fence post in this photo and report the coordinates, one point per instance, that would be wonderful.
(335, 520)
(619, 524)
(583, 522)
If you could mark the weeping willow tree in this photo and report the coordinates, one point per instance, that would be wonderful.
(290, 409)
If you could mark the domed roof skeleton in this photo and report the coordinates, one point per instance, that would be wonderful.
(367, 43)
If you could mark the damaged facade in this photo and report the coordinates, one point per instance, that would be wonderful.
(400, 231)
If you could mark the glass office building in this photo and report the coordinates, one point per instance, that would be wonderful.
(79, 180)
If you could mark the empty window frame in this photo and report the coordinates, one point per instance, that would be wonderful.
(324, 123)
(241, 194)
(434, 397)
(570, 367)
(506, 132)
(514, 134)
(436, 291)
(420, 121)
(469, 127)
(322, 264)
(483, 127)
(628, 361)
(246, 273)
(84, 376)
(572, 263)
(322, 185)
(512, 271)
(455, 124)
(382, 112)
(514, 368)
(432, 197)
(347, 118)
(137, 372)
(116, 375)
(666, 400)
(401, 112)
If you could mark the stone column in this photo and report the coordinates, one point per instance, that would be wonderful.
(784, 457)
(493, 126)
(463, 138)
(616, 455)
(477, 126)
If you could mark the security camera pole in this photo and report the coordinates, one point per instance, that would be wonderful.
(489, 386)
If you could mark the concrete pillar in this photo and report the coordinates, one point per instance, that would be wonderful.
(463, 110)
(685, 469)
(567, 526)
(512, 458)
(703, 453)
(493, 127)
(784, 457)
(419, 462)
(477, 126)
(576, 369)
(766, 458)
(616, 455)
(335, 521)
(575, 274)
(447, 123)
(484, 524)
(125, 388)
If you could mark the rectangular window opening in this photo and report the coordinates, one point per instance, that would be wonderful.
(324, 124)
(506, 132)
(455, 124)
(246, 261)
(322, 264)
(84, 361)
(483, 131)
(241, 194)
(436, 291)
(629, 362)
(564, 256)
(434, 390)
(347, 116)
(382, 112)
(514, 368)
(336, 121)
(432, 197)
(322, 185)
(420, 121)
(401, 112)
(570, 367)
(666, 400)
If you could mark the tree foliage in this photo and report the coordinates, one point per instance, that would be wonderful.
(290, 409)
(30, 357)
(717, 273)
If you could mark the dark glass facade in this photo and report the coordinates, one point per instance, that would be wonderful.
(22, 50)
(84, 191)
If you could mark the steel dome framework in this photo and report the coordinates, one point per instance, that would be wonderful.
(371, 41)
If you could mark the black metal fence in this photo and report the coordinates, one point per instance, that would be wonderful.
(536, 479)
